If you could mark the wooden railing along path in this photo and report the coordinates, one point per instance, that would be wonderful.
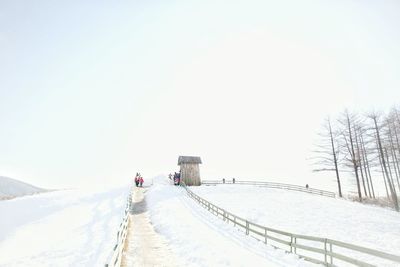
(319, 250)
(273, 185)
(115, 258)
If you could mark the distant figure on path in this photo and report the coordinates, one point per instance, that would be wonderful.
(141, 181)
(177, 178)
(137, 179)
(307, 186)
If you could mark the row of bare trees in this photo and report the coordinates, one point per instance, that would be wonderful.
(366, 146)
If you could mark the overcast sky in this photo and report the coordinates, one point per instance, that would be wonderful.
(93, 91)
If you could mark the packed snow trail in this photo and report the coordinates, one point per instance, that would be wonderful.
(200, 239)
(145, 247)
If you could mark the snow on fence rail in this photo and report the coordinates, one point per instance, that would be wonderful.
(114, 260)
(273, 185)
(315, 249)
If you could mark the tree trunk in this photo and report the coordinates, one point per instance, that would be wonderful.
(390, 169)
(335, 159)
(394, 157)
(366, 164)
(398, 146)
(383, 172)
(392, 191)
(359, 163)
(353, 155)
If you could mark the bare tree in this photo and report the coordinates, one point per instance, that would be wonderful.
(381, 164)
(328, 153)
(363, 165)
(348, 122)
(366, 163)
(392, 149)
(375, 118)
(358, 158)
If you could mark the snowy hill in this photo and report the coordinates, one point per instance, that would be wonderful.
(89, 221)
(10, 188)
(296, 212)
(61, 228)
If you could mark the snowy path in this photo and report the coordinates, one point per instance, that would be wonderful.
(144, 246)
(200, 239)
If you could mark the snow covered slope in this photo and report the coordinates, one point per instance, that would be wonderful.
(373, 227)
(10, 188)
(62, 228)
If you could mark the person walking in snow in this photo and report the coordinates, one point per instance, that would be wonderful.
(137, 179)
(177, 178)
(141, 181)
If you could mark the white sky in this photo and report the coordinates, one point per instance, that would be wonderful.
(92, 92)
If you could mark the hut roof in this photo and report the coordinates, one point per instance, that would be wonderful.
(189, 159)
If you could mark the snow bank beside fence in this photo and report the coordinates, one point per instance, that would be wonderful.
(296, 212)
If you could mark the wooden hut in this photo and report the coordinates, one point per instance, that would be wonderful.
(190, 171)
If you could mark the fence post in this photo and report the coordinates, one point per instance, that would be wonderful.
(247, 227)
(325, 256)
(208, 205)
(295, 248)
(265, 235)
(330, 249)
(291, 242)
(234, 221)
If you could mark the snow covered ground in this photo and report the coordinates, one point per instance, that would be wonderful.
(300, 213)
(78, 228)
(200, 239)
(63, 228)
(10, 188)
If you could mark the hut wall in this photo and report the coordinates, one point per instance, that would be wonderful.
(190, 174)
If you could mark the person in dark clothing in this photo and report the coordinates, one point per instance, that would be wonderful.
(137, 179)
(177, 178)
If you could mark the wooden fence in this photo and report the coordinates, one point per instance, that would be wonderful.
(114, 260)
(273, 185)
(319, 250)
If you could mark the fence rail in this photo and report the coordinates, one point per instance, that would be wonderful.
(273, 185)
(315, 249)
(114, 260)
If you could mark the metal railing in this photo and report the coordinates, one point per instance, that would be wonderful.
(315, 249)
(114, 260)
(273, 185)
